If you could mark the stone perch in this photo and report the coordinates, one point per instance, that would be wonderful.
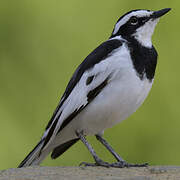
(91, 173)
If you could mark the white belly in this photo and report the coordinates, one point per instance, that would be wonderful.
(122, 96)
(115, 103)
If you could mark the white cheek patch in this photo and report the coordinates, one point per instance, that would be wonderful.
(126, 18)
(144, 33)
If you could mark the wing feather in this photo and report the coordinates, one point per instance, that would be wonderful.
(78, 93)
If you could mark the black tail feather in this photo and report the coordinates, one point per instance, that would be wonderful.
(62, 148)
(23, 163)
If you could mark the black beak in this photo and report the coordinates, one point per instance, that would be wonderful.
(158, 14)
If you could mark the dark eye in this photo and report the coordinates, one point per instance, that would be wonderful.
(133, 20)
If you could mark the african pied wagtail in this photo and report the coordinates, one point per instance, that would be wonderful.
(107, 87)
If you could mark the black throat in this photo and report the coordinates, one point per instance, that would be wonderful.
(144, 59)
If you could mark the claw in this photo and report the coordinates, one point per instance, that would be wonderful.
(120, 164)
(87, 164)
(137, 165)
(124, 164)
(100, 163)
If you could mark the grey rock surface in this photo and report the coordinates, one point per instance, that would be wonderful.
(91, 173)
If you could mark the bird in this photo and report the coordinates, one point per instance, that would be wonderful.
(107, 87)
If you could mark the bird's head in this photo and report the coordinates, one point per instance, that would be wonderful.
(139, 25)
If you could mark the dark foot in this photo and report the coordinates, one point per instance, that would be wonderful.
(98, 163)
(123, 164)
(115, 165)
(87, 164)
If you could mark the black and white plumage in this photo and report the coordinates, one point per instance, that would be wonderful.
(107, 87)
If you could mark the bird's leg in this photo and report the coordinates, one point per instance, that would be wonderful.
(98, 161)
(121, 163)
(109, 148)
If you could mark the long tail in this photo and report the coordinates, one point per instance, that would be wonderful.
(35, 157)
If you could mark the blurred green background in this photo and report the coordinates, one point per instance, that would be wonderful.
(41, 44)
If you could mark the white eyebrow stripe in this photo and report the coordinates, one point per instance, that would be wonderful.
(139, 13)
